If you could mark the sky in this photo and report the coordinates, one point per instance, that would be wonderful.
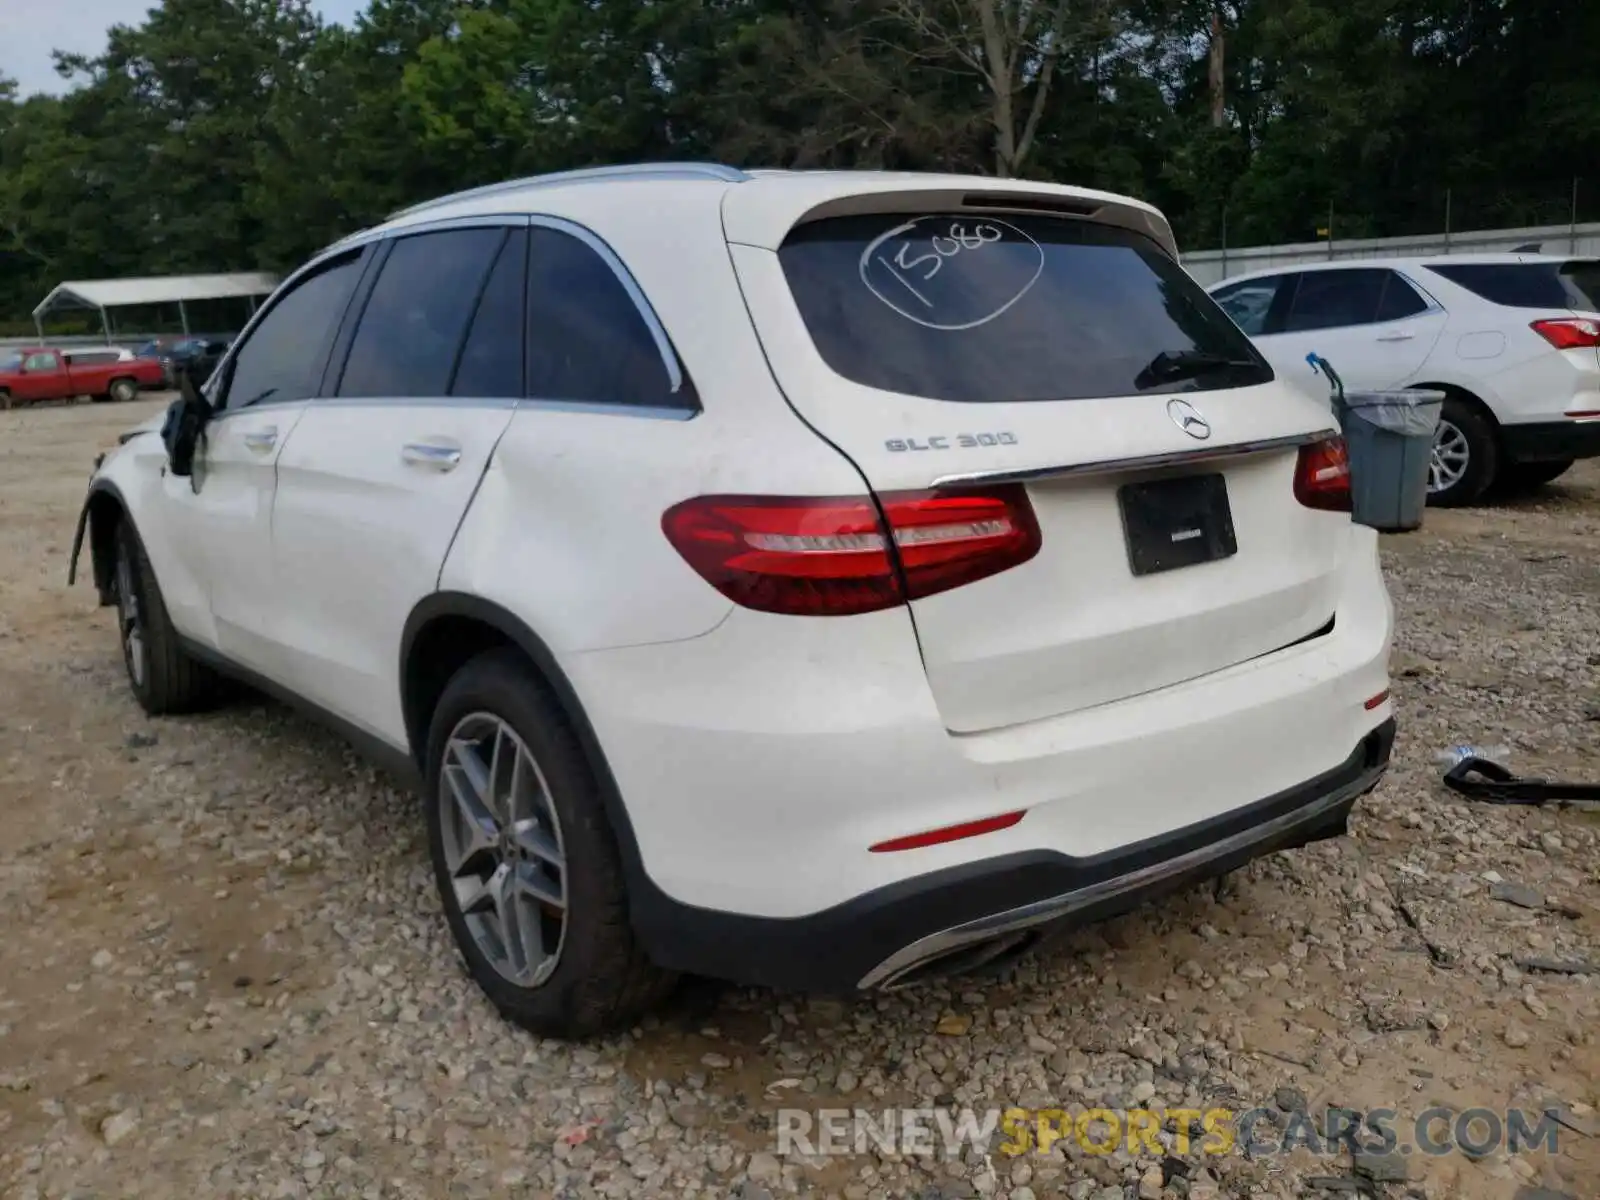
(31, 29)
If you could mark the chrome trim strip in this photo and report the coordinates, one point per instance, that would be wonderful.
(611, 410)
(1041, 912)
(533, 403)
(1113, 466)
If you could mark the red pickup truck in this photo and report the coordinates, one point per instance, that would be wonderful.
(101, 373)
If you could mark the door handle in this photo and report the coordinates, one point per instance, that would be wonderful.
(262, 439)
(437, 455)
(1399, 335)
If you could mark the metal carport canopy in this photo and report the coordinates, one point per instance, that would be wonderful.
(153, 289)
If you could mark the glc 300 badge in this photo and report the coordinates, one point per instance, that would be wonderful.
(961, 441)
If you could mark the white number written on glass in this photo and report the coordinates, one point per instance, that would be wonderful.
(943, 246)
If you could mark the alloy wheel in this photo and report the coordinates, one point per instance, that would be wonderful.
(503, 849)
(1449, 459)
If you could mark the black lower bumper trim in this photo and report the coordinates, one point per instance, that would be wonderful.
(1551, 441)
(840, 948)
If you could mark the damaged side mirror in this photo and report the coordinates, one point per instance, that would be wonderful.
(186, 421)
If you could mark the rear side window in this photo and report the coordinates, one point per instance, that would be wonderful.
(1249, 302)
(1574, 284)
(414, 321)
(979, 309)
(588, 339)
(283, 357)
(91, 358)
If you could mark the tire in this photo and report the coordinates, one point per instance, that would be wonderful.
(1517, 478)
(598, 979)
(164, 678)
(123, 390)
(5, 400)
(1466, 455)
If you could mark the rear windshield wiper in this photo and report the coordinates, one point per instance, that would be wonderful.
(1172, 365)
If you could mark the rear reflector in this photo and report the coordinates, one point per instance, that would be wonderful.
(1373, 702)
(831, 555)
(1322, 476)
(1569, 333)
(950, 833)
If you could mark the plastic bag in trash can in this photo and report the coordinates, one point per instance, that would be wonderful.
(1413, 412)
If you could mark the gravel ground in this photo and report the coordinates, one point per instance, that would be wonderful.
(224, 971)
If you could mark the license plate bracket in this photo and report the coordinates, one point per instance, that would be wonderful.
(1173, 523)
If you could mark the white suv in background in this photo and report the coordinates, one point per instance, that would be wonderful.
(1513, 340)
(816, 580)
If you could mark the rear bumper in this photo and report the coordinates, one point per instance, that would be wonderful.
(972, 914)
(1545, 441)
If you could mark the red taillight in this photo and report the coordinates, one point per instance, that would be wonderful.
(829, 556)
(1322, 476)
(1569, 333)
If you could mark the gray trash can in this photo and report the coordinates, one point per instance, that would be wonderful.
(1390, 439)
(1389, 436)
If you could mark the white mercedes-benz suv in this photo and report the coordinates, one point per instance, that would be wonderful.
(810, 579)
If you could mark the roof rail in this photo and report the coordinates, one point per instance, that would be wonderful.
(665, 170)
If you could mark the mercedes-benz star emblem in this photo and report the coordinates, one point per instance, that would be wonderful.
(1187, 418)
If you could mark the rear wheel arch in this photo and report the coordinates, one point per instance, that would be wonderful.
(1457, 392)
(448, 629)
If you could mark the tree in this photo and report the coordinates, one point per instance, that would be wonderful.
(1014, 48)
(220, 134)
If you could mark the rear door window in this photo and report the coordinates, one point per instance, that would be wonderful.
(1330, 299)
(1574, 284)
(983, 309)
(412, 327)
(491, 359)
(1400, 299)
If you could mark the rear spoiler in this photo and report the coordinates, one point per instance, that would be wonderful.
(762, 211)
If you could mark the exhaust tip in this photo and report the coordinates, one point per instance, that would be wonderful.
(990, 954)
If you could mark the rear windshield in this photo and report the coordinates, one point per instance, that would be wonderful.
(1574, 284)
(981, 309)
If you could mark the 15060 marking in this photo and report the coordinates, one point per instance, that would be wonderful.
(962, 441)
